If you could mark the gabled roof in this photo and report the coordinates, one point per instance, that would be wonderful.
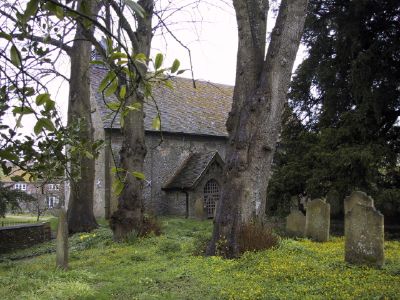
(184, 109)
(15, 172)
(192, 170)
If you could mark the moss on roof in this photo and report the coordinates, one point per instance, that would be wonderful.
(184, 109)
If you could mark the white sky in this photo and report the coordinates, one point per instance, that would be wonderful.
(212, 40)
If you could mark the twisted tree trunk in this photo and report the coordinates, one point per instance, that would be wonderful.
(254, 122)
(129, 215)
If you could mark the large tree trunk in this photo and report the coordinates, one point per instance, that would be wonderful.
(255, 120)
(80, 207)
(129, 215)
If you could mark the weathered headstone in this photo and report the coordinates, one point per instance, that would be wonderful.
(364, 236)
(318, 220)
(62, 240)
(334, 200)
(199, 209)
(295, 223)
(357, 197)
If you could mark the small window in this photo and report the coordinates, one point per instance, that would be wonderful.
(211, 197)
(54, 187)
(20, 186)
(52, 201)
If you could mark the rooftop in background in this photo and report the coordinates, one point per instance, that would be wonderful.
(184, 109)
(15, 172)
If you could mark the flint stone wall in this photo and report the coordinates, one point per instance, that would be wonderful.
(317, 220)
(23, 236)
(364, 236)
(162, 160)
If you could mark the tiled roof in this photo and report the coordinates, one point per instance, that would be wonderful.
(15, 172)
(192, 169)
(202, 110)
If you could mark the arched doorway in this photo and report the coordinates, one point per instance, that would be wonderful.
(211, 197)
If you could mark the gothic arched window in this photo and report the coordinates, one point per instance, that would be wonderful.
(211, 197)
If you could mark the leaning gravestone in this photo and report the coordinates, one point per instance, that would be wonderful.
(295, 223)
(364, 236)
(62, 241)
(357, 197)
(318, 220)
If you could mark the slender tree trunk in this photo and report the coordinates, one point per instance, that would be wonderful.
(255, 120)
(80, 207)
(129, 215)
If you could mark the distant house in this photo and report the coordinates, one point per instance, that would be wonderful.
(49, 195)
(183, 169)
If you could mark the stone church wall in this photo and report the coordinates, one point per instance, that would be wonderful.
(162, 161)
(198, 194)
(175, 202)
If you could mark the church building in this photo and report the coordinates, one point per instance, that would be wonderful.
(184, 161)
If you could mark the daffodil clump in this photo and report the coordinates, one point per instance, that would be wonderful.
(170, 267)
(83, 237)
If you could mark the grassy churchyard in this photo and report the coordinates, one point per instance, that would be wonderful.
(171, 266)
(27, 219)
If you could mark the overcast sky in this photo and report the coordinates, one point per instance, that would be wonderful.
(209, 30)
(210, 33)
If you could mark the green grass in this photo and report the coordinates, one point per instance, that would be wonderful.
(29, 218)
(164, 267)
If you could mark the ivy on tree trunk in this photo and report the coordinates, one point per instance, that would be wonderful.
(129, 215)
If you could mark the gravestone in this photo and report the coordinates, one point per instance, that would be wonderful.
(357, 197)
(295, 224)
(317, 220)
(199, 209)
(334, 200)
(364, 236)
(62, 240)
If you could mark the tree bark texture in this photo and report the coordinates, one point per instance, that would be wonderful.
(80, 207)
(254, 122)
(129, 215)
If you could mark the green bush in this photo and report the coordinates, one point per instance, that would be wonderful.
(388, 203)
(200, 242)
(255, 236)
(97, 238)
(132, 237)
(151, 225)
